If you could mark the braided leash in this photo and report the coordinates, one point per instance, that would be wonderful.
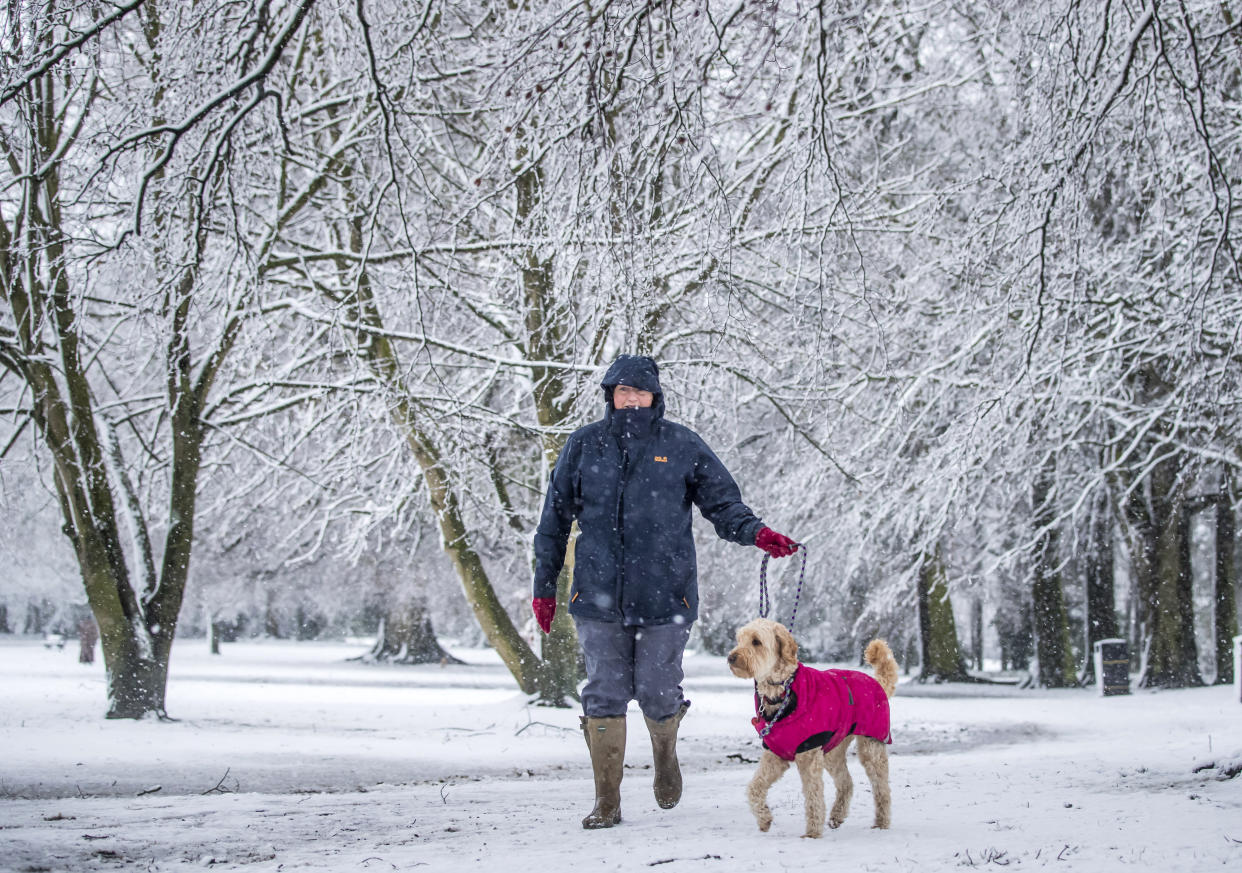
(765, 604)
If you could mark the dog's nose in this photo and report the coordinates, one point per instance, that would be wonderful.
(732, 659)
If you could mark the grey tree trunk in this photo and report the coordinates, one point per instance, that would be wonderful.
(1160, 525)
(941, 654)
(406, 636)
(1101, 621)
(559, 671)
(136, 608)
(1225, 622)
(1013, 631)
(976, 633)
(1049, 617)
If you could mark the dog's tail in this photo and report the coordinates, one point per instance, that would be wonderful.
(881, 659)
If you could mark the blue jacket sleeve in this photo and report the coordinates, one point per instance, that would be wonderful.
(719, 499)
(560, 507)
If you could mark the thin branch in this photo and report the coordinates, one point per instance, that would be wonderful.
(62, 50)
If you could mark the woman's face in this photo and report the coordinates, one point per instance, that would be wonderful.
(624, 396)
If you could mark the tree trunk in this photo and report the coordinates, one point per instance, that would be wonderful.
(406, 637)
(377, 351)
(545, 338)
(553, 677)
(976, 633)
(136, 680)
(941, 654)
(1225, 622)
(560, 647)
(1054, 655)
(1013, 631)
(1101, 621)
(1161, 529)
(66, 422)
(88, 635)
(1050, 620)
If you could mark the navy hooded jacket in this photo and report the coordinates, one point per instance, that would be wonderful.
(630, 481)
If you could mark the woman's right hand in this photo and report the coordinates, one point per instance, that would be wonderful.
(545, 610)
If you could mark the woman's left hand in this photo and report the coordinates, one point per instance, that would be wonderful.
(776, 545)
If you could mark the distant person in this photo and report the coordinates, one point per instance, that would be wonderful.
(630, 481)
(88, 635)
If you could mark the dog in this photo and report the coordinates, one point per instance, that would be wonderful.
(809, 717)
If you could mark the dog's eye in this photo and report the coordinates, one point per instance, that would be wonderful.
(755, 643)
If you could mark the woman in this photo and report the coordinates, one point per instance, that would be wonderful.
(630, 481)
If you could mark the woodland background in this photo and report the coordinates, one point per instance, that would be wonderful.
(302, 298)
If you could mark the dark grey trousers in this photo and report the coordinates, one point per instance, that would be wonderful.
(625, 663)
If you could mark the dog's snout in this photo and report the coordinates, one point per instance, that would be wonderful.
(732, 658)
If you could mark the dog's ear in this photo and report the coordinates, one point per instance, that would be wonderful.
(786, 647)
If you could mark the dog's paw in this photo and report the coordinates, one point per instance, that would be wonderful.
(765, 821)
(835, 822)
(812, 835)
(880, 825)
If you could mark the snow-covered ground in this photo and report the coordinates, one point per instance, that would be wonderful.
(287, 756)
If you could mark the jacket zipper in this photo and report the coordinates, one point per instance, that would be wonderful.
(621, 480)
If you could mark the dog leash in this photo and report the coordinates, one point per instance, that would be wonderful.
(765, 603)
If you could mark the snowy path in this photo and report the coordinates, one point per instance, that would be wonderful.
(338, 766)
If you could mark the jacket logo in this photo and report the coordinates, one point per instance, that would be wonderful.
(663, 459)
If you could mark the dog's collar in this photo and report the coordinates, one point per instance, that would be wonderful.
(786, 701)
(785, 687)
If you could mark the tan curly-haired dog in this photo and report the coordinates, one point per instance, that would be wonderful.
(809, 717)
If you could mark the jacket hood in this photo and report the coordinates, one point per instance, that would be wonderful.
(637, 371)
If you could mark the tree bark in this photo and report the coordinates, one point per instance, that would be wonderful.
(377, 351)
(976, 633)
(545, 336)
(1053, 652)
(1013, 631)
(1100, 584)
(62, 408)
(88, 635)
(406, 636)
(1225, 620)
(941, 654)
(1161, 529)
(137, 618)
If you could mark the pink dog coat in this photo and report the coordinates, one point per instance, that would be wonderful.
(827, 707)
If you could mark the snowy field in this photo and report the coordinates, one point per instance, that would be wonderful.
(287, 756)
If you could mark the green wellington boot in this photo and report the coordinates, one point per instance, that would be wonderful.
(664, 748)
(605, 737)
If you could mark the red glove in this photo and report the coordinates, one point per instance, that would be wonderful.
(545, 608)
(776, 545)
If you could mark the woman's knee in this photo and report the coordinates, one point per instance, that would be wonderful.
(658, 701)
